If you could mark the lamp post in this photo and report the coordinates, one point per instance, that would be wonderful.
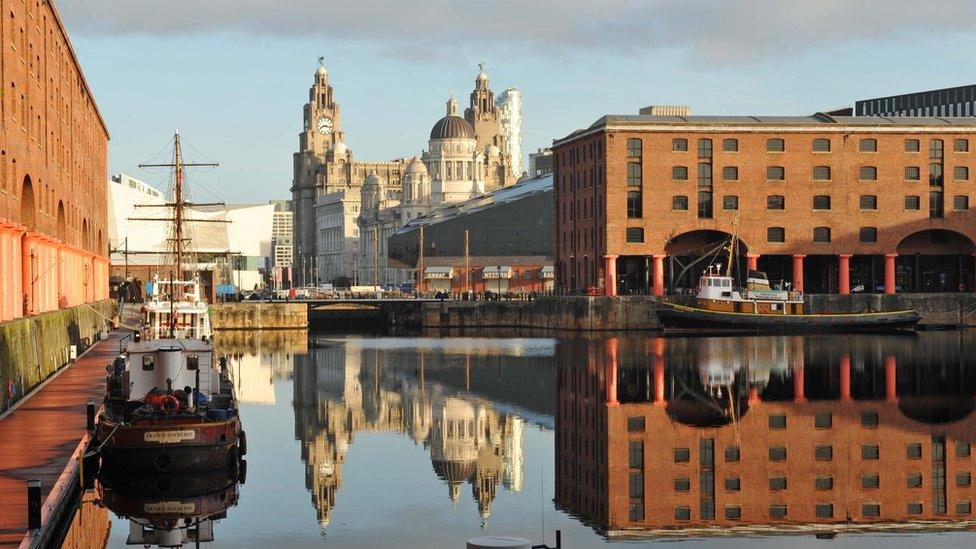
(499, 280)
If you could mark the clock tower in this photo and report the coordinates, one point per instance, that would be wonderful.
(318, 168)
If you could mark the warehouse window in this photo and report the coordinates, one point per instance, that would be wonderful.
(824, 482)
(868, 145)
(777, 453)
(821, 173)
(912, 145)
(821, 202)
(732, 454)
(730, 202)
(963, 449)
(730, 145)
(868, 234)
(730, 173)
(682, 485)
(912, 173)
(775, 234)
(821, 145)
(682, 455)
(776, 202)
(679, 144)
(635, 208)
(913, 450)
(634, 174)
(733, 484)
(868, 173)
(960, 145)
(823, 420)
(871, 481)
(636, 424)
(870, 452)
(914, 480)
(775, 145)
(635, 235)
(913, 203)
(679, 202)
(775, 173)
(823, 453)
(679, 173)
(914, 508)
(960, 203)
(960, 173)
(824, 510)
(777, 483)
(634, 147)
(777, 510)
(821, 234)
(869, 202)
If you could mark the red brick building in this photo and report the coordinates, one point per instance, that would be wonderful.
(53, 169)
(760, 436)
(497, 274)
(833, 204)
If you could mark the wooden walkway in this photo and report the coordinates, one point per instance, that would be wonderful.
(39, 436)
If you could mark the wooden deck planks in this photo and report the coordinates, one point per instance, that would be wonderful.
(37, 438)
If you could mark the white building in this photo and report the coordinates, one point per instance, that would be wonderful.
(337, 235)
(238, 240)
(509, 103)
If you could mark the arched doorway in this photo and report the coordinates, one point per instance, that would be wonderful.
(28, 211)
(62, 228)
(935, 260)
(690, 253)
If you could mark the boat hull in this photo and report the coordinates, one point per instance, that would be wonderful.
(676, 317)
(169, 447)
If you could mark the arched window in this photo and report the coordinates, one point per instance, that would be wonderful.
(775, 145)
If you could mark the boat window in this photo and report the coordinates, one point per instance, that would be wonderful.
(148, 362)
(727, 283)
(192, 362)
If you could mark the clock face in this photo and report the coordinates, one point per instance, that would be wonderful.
(324, 125)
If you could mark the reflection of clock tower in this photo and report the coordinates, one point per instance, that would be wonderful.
(316, 169)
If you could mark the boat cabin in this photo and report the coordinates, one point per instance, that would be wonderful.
(168, 364)
(180, 299)
(717, 292)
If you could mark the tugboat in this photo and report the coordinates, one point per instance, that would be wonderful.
(192, 314)
(762, 307)
(168, 408)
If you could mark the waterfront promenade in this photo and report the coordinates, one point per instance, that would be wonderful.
(39, 437)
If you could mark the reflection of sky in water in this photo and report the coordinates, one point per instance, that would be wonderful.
(390, 495)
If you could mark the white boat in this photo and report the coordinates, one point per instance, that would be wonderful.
(175, 309)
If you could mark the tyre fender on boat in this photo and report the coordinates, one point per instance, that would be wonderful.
(242, 444)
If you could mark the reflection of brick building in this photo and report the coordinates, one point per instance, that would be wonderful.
(834, 204)
(53, 168)
(830, 440)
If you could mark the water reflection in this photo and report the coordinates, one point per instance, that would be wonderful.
(756, 436)
(463, 403)
(168, 510)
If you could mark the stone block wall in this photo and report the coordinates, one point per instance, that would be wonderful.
(259, 316)
(33, 348)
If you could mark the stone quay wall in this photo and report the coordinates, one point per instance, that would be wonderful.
(259, 316)
(639, 312)
(33, 348)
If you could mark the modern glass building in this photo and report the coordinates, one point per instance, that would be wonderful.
(958, 101)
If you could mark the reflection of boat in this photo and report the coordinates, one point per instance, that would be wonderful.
(760, 307)
(169, 510)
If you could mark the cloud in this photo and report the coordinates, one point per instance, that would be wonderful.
(711, 31)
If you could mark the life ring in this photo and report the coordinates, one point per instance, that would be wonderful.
(169, 404)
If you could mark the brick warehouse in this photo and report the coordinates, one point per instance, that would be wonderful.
(53, 169)
(833, 204)
(860, 436)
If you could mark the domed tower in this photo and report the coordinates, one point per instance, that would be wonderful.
(416, 190)
(372, 195)
(453, 159)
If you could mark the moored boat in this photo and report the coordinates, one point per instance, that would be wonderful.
(722, 306)
(169, 409)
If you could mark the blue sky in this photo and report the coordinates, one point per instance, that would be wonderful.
(232, 76)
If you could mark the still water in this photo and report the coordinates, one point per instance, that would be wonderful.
(368, 442)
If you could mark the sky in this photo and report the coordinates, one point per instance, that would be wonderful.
(233, 75)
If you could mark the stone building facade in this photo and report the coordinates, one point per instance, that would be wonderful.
(324, 166)
(834, 204)
(53, 169)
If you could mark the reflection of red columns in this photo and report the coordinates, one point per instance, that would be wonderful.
(610, 275)
(798, 390)
(752, 262)
(890, 273)
(754, 395)
(891, 378)
(659, 372)
(844, 273)
(845, 378)
(798, 272)
(658, 288)
(612, 371)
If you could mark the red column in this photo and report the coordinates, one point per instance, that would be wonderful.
(754, 395)
(798, 272)
(610, 275)
(27, 261)
(612, 372)
(844, 273)
(658, 288)
(890, 273)
(845, 378)
(891, 378)
(659, 372)
(752, 262)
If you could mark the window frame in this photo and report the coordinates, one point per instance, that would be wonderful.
(871, 143)
(676, 201)
(775, 141)
(779, 232)
(870, 171)
(676, 141)
(728, 140)
(813, 145)
(773, 171)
